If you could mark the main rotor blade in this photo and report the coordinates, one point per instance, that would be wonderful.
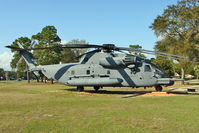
(14, 48)
(93, 51)
(151, 52)
(176, 57)
(68, 46)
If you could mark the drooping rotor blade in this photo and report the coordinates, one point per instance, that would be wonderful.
(14, 48)
(176, 57)
(151, 52)
(32, 44)
(93, 51)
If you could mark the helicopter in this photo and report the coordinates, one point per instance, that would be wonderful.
(105, 66)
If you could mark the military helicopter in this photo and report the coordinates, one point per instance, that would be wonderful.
(102, 67)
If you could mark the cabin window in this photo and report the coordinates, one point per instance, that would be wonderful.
(85, 59)
(108, 72)
(88, 72)
(72, 72)
(147, 68)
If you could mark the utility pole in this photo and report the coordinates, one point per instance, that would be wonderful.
(6, 75)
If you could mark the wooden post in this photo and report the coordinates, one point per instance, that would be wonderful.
(6, 75)
(51, 81)
(37, 79)
(27, 69)
(42, 76)
(182, 75)
(45, 79)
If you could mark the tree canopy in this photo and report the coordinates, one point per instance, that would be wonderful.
(70, 55)
(196, 70)
(178, 28)
(46, 38)
(137, 46)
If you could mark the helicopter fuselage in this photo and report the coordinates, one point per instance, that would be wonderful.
(102, 67)
(107, 69)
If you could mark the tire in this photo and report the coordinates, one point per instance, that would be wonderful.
(80, 88)
(158, 88)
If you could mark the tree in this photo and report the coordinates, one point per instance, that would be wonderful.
(15, 64)
(178, 27)
(12, 75)
(136, 53)
(68, 56)
(2, 74)
(196, 70)
(78, 52)
(46, 38)
(164, 64)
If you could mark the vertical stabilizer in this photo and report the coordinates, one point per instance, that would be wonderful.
(26, 57)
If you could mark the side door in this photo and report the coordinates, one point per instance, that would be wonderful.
(147, 75)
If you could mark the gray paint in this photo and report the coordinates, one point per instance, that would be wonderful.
(90, 72)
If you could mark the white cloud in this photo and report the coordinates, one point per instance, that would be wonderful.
(5, 59)
(64, 41)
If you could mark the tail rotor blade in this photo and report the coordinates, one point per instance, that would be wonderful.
(20, 46)
(32, 44)
(19, 61)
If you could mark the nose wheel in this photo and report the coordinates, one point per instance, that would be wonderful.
(158, 88)
(80, 88)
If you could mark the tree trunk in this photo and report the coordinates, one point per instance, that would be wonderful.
(182, 75)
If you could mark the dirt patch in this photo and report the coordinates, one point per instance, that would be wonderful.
(87, 93)
(160, 94)
(141, 94)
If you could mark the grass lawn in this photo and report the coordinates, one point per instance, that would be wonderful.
(39, 108)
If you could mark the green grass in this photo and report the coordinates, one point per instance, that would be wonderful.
(39, 108)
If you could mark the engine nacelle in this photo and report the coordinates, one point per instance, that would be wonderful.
(128, 60)
(114, 62)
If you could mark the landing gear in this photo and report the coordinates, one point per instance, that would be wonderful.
(80, 88)
(158, 88)
(96, 88)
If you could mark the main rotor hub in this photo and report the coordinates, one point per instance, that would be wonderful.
(109, 47)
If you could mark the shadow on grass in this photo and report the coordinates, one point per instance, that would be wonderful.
(126, 94)
(129, 93)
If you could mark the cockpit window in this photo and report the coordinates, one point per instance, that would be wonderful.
(147, 68)
(72, 72)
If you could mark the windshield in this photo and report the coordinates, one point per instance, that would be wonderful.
(158, 73)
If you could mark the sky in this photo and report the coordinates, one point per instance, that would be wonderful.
(119, 22)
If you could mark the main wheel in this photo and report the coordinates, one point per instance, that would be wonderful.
(96, 88)
(158, 88)
(80, 88)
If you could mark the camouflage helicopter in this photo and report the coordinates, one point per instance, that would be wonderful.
(102, 67)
